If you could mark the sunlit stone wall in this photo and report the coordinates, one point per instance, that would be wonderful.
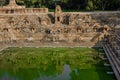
(75, 27)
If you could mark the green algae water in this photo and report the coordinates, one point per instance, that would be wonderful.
(52, 64)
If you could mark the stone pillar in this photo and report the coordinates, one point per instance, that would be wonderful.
(58, 15)
(12, 2)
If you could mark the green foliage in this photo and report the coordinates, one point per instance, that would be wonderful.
(88, 8)
(90, 5)
(72, 5)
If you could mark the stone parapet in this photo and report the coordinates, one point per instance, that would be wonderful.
(22, 10)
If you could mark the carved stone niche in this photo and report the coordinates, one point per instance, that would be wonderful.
(88, 18)
(96, 26)
(32, 29)
(71, 20)
(17, 29)
(12, 22)
(79, 29)
(43, 21)
(48, 21)
(57, 31)
(5, 29)
(106, 28)
(27, 22)
(47, 31)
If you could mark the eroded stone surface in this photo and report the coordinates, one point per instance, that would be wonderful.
(70, 28)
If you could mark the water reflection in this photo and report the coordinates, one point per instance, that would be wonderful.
(57, 64)
(64, 76)
(8, 77)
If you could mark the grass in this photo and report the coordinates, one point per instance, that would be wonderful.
(31, 63)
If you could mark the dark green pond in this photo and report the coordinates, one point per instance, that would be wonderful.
(52, 64)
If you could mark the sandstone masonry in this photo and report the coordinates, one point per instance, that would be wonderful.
(35, 25)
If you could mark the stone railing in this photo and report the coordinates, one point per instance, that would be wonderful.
(114, 61)
(22, 10)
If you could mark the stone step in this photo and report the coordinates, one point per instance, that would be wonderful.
(110, 72)
(107, 65)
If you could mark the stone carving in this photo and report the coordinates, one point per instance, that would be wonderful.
(59, 27)
(58, 15)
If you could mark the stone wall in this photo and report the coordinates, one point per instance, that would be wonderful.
(70, 28)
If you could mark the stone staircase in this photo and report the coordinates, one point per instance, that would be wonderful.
(113, 59)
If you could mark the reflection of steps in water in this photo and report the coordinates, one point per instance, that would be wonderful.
(65, 75)
(107, 65)
(110, 72)
(7, 77)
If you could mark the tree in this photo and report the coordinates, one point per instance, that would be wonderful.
(2, 2)
(75, 5)
(89, 5)
(103, 4)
